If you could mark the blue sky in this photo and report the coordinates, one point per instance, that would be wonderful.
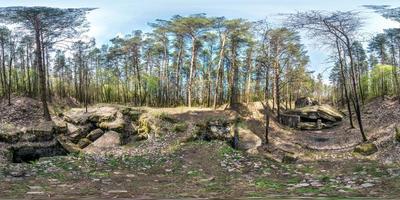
(115, 17)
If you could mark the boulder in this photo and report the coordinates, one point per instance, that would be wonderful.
(248, 141)
(68, 145)
(325, 112)
(95, 134)
(79, 116)
(10, 135)
(305, 101)
(108, 139)
(43, 131)
(397, 134)
(77, 132)
(366, 149)
(117, 125)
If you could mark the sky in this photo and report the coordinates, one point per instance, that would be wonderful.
(120, 17)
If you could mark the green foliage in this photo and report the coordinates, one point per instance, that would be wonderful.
(268, 184)
(180, 127)
(381, 80)
(366, 149)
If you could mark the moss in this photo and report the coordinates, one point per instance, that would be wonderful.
(180, 127)
(366, 149)
(397, 134)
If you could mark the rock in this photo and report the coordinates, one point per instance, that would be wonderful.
(366, 185)
(79, 116)
(117, 191)
(68, 145)
(117, 125)
(35, 193)
(316, 184)
(10, 135)
(366, 149)
(305, 101)
(301, 185)
(43, 131)
(95, 134)
(84, 143)
(289, 120)
(248, 140)
(108, 139)
(5, 156)
(27, 152)
(77, 132)
(325, 112)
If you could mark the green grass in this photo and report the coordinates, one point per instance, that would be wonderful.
(268, 184)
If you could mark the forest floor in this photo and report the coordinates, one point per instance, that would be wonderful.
(169, 166)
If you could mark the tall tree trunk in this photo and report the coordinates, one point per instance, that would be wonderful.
(341, 64)
(235, 74)
(42, 75)
(357, 104)
(191, 72)
(219, 70)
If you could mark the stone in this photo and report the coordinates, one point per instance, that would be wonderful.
(108, 139)
(117, 125)
(77, 132)
(68, 145)
(302, 185)
(117, 191)
(35, 193)
(310, 116)
(305, 101)
(95, 134)
(84, 142)
(43, 131)
(366, 185)
(366, 149)
(79, 116)
(248, 140)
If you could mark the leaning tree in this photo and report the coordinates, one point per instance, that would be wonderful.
(46, 24)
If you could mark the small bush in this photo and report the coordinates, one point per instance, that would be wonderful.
(180, 127)
(366, 149)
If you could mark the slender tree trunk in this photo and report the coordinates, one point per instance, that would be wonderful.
(266, 106)
(191, 72)
(42, 75)
(344, 84)
(219, 74)
(9, 76)
(355, 96)
(235, 74)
